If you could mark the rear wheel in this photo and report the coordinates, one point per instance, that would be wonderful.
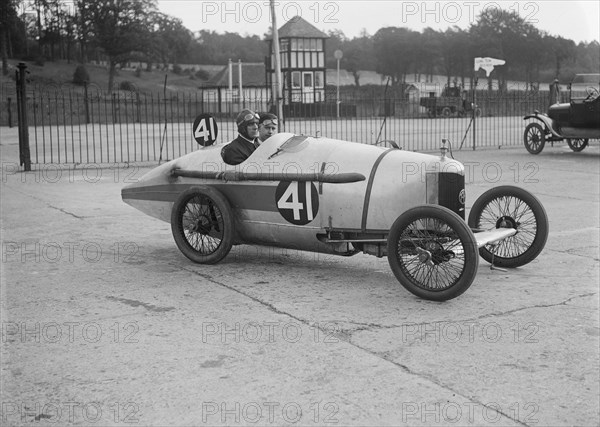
(511, 207)
(577, 144)
(446, 111)
(202, 225)
(534, 138)
(432, 252)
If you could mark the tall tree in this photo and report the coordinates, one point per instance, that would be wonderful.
(358, 56)
(121, 28)
(8, 17)
(171, 41)
(563, 52)
(396, 50)
(501, 34)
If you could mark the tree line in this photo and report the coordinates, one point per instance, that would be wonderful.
(121, 31)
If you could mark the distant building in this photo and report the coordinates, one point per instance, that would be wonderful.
(222, 94)
(302, 62)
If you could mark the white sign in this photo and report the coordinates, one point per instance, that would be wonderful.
(487, 64)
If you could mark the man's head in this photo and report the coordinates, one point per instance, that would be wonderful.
(267, 126)
(247, 124)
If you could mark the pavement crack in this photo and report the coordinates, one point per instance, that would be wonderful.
(48, 204)
(65, 211)
(346, 337)
(438, 383)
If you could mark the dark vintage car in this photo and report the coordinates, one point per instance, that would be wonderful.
(577, 121)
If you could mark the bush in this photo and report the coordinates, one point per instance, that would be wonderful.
(177, 69)
(81, 75)
(138, 72)
(127, 85)
(202, 74)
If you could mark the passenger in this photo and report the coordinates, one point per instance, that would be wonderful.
(246, 142)
(267, 126)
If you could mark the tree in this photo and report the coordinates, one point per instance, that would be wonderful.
(122, 28)
(396, 50)
(563, 51)
(8, 17)
(171, 40)
(502, 34)
(358, 55)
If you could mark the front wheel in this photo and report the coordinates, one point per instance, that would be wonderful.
(577, 144)
(432, 252)
(511, 207)
(534, 138)
(202, 225)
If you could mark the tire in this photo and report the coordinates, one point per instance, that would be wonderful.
(202, 225)
(432, 252)
(446, 112)
(511, 207)
(577, 144)
(478, 112)
(534, 138)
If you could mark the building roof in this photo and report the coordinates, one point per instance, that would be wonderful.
(253, 75)
(299, 27)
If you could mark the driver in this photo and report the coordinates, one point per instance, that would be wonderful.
(244, 145)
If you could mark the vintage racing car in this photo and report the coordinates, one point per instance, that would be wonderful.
(577, 121)
(337, 197)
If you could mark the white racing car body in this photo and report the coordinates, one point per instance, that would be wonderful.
(332, 196)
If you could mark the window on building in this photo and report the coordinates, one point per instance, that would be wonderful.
(308, 79)
(295, 79)
(319, 79)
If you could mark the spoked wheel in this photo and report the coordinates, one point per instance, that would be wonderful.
(202, 225)
(577, 144)
(511, 207)
(534, 138)
(432, 252)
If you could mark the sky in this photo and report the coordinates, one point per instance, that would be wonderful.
(575, 20)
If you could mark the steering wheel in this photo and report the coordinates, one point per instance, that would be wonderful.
(592, 92)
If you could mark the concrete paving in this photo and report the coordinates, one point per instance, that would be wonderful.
(105, 322)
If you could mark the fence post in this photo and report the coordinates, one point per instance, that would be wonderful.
(85, 100)
(24, 153)
(9, 112)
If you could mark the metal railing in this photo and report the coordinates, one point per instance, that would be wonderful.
(84, 125)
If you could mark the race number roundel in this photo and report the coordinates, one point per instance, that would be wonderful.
(205, 130)
(297, 202)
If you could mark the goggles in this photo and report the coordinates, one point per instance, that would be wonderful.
(251, 116)
(269, 122)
